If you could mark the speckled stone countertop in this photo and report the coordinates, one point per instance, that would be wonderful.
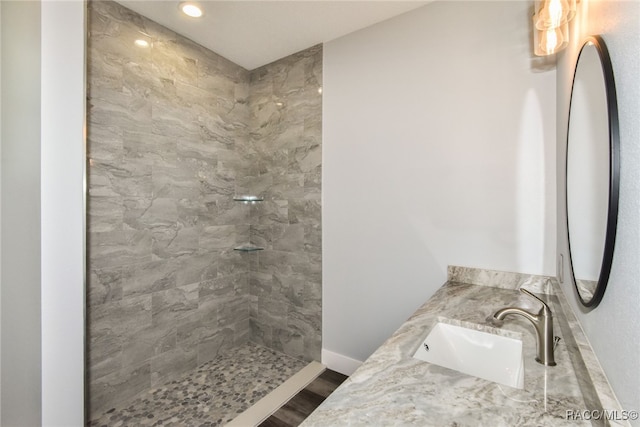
(393, 388)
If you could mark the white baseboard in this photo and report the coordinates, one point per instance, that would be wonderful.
(339, 363)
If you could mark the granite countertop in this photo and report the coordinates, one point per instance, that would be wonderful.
(393, 388)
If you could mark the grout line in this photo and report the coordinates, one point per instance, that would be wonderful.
(273, 401)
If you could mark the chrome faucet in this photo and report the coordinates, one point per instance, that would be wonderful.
(542, 321)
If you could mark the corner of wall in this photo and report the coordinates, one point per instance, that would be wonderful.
(339, 362)
(63, 213)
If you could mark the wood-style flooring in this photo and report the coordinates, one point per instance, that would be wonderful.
(306, 401)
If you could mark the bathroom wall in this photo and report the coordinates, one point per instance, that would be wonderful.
(62, 165)
(0, 216)
(42, 191)
(286, 154)
(21, 214)
(610, 327)
(439, 148)
(166, 291)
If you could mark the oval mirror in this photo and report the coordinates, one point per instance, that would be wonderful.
(592, 171)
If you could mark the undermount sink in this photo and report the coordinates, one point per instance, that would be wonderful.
(485, 355)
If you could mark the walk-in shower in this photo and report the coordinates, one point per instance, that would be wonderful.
(174, 133)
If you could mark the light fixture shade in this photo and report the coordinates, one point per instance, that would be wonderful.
(550, 41)
(553, 14)
(573, 7)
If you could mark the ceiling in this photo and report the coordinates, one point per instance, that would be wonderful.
(255, 33)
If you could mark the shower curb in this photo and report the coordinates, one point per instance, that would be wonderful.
(273, 401)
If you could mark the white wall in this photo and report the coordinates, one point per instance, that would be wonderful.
(612, 327)
(0, 215)
(42, 213)
(439, 148)
(63, 212)
(20, 206)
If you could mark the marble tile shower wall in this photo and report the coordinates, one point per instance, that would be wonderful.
(166, 291)
(285, 154)
(174, 131)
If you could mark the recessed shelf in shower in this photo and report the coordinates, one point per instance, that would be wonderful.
(246, 198)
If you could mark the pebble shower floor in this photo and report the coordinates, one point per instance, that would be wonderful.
(212, 395)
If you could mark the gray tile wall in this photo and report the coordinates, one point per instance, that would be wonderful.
(166, 291)
(171, 138)
(285, 152)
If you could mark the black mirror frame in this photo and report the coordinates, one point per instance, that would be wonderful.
(614, 172)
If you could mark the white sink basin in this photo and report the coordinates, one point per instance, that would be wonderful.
(482, 354)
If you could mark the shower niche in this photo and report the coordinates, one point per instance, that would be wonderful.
(250, 200)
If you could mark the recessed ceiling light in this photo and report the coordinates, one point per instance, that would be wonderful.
(191, 9)
(141, 43)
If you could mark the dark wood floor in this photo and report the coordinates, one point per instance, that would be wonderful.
(306, 401)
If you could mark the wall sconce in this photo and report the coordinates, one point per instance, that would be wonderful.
(551, 25)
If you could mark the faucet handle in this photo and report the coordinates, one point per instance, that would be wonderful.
(545, 307)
